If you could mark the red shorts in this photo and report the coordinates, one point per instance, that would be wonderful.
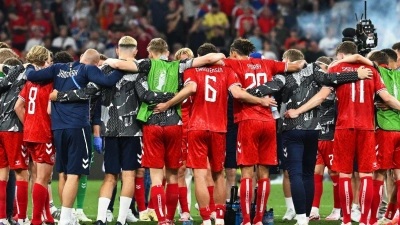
(12, 151)
(42, 152)
(184, 149)
(162, 146)
(350, 143)
(388, 149)
(256, 143)
(325, 153)
(206, 146)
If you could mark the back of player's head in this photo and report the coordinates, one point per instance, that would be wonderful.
(63, 57)
(242, 47)
(293, 55)
(379, 57)
(103, 57)
(6, 53)
(127, 42)
(4, 45)
(396, 46)
(13, 62)
(183, 53)
(157, 46)
(391, 53)
(38, 55)
(346, 48)
(206, 48)
(325, 60)
(90, 57)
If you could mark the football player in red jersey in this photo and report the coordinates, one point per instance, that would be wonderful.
(256, 142)
(31, 109)
(354, 136)
(207, 127)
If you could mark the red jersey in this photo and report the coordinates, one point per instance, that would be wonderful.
(185, 110)
(210, 102)
(37, 123)
(355, 101)
(252, 73)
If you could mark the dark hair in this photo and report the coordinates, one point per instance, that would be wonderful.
(346, 47)
(103, 57)
(242, 46)
(62, 57)
(206, 48)
(13, 62)
(396, 46)
(379, 57)
(391, 53)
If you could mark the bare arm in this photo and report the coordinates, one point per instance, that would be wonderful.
(245, 97)
(122, 65)
(315, 101)
(19, 109)
(390, 100)
(210, 58)
(356, 58)
(96, 130)
(187, 91)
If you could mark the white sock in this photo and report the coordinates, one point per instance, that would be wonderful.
(4, 221)
(102, 209)
(289, 203)
(65, 216)
(315, 209)
(206, 222)
(302, 219)
(354, 206)
(124, 204)
(79, 211)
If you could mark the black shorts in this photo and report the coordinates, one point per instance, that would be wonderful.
(231, 140)
(73, 150)
(122, 153)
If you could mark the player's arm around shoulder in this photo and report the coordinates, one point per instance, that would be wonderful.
(43, 74)
(210, 58)
(241, 95)
(131, 66)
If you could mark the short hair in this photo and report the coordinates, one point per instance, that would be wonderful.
(242, 46)
(346, 47)
(103, 57)
(38, 55)
(4, 45)
(63, 57)
(391, 53)
(293, 55)
(12, 62)
(127, 42)
(6, 53)
(157, 45)
(182, 51)
(379, 57)
(206, 48)
(324, 60)
(396, 46)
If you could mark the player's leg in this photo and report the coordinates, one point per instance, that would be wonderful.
(202, 194)
(4, 171)
(318, 188)
(366, 158)
(183, 190)
(140, 194)
(80, 199)
(10, 192)
(230, 160)
(126, 195)
(355, 182)
(343, 156)
(335, 214)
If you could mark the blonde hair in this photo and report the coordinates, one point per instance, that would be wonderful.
(6, 53)
(38, 55)
(293, 55)
(157, 45)
(127, 41)
(183, 51)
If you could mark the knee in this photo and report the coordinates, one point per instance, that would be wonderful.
(110, 179)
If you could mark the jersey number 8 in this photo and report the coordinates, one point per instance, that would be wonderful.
(32, 98)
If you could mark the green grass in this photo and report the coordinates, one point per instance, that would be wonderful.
(276, 200)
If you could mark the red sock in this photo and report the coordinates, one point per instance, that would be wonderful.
(3, 187)
(172, 196)
(39, 197)
(246, 193)
(212, 203)
(205, 213)
(262, 198)
(376, 200)
(390, 211)
(48, 217)
(158, 201)
(317, 190)
(365, 197)
(139, 194)
(220, 211)
(150, 203)
(22, 198)
(346, 197)
(183, 199)
(164, 181)
(336, 199)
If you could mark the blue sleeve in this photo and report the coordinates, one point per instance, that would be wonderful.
(40, 75)
(96, 76)
(97, 113)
